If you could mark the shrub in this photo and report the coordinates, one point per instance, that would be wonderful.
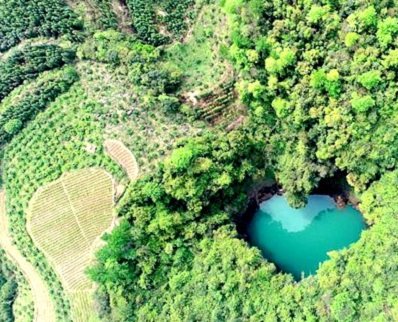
(386, 29)
(13, 126)
(370, 79)
(351, 39)
(368, 16)
(362, 103)
(316, 13)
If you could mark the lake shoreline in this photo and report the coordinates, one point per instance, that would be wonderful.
(340, 193)
(297, 241)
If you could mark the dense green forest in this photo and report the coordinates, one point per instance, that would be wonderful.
(319, 80)
(29, 19)
(327, 71)
(215, 98)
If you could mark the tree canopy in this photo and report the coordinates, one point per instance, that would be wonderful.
(319, 79)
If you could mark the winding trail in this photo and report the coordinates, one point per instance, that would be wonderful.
(44, 307)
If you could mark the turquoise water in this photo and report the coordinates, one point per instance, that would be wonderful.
(297, 240)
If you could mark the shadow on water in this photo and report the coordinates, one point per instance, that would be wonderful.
(298, 240)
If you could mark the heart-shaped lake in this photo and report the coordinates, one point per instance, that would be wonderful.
(297, 240)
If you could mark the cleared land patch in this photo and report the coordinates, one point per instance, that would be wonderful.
(65, 219)
(44, 308)
(122, 155)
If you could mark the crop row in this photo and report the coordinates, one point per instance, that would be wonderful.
(48, 147)
(14, 115)
(217, 103)
(67, 216)
(148, 15)
(83, 306)
(28, 63)
(21, 19)
(123, 156)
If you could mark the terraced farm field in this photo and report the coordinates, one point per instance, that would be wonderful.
(82, 303)
(122, 155)
(65, 219)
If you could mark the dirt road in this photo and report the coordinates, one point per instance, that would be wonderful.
(44, 307)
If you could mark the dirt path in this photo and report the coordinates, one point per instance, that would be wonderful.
(122, 13)
(192, 27)
(44, 307)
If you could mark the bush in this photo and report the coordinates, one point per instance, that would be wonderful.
(351, 39)
(12, 126)
(362, 104)
(169, 104)
(370, 79)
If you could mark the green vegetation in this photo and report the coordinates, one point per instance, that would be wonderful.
(28, 63)
(176, 254)
(8, 288)
(199, 55)
(150, 17)
(331, 84)
(291, 92)
(21, 19)
(13, 116)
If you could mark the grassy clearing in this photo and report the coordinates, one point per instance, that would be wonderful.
(209, 81)
(199, 56)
